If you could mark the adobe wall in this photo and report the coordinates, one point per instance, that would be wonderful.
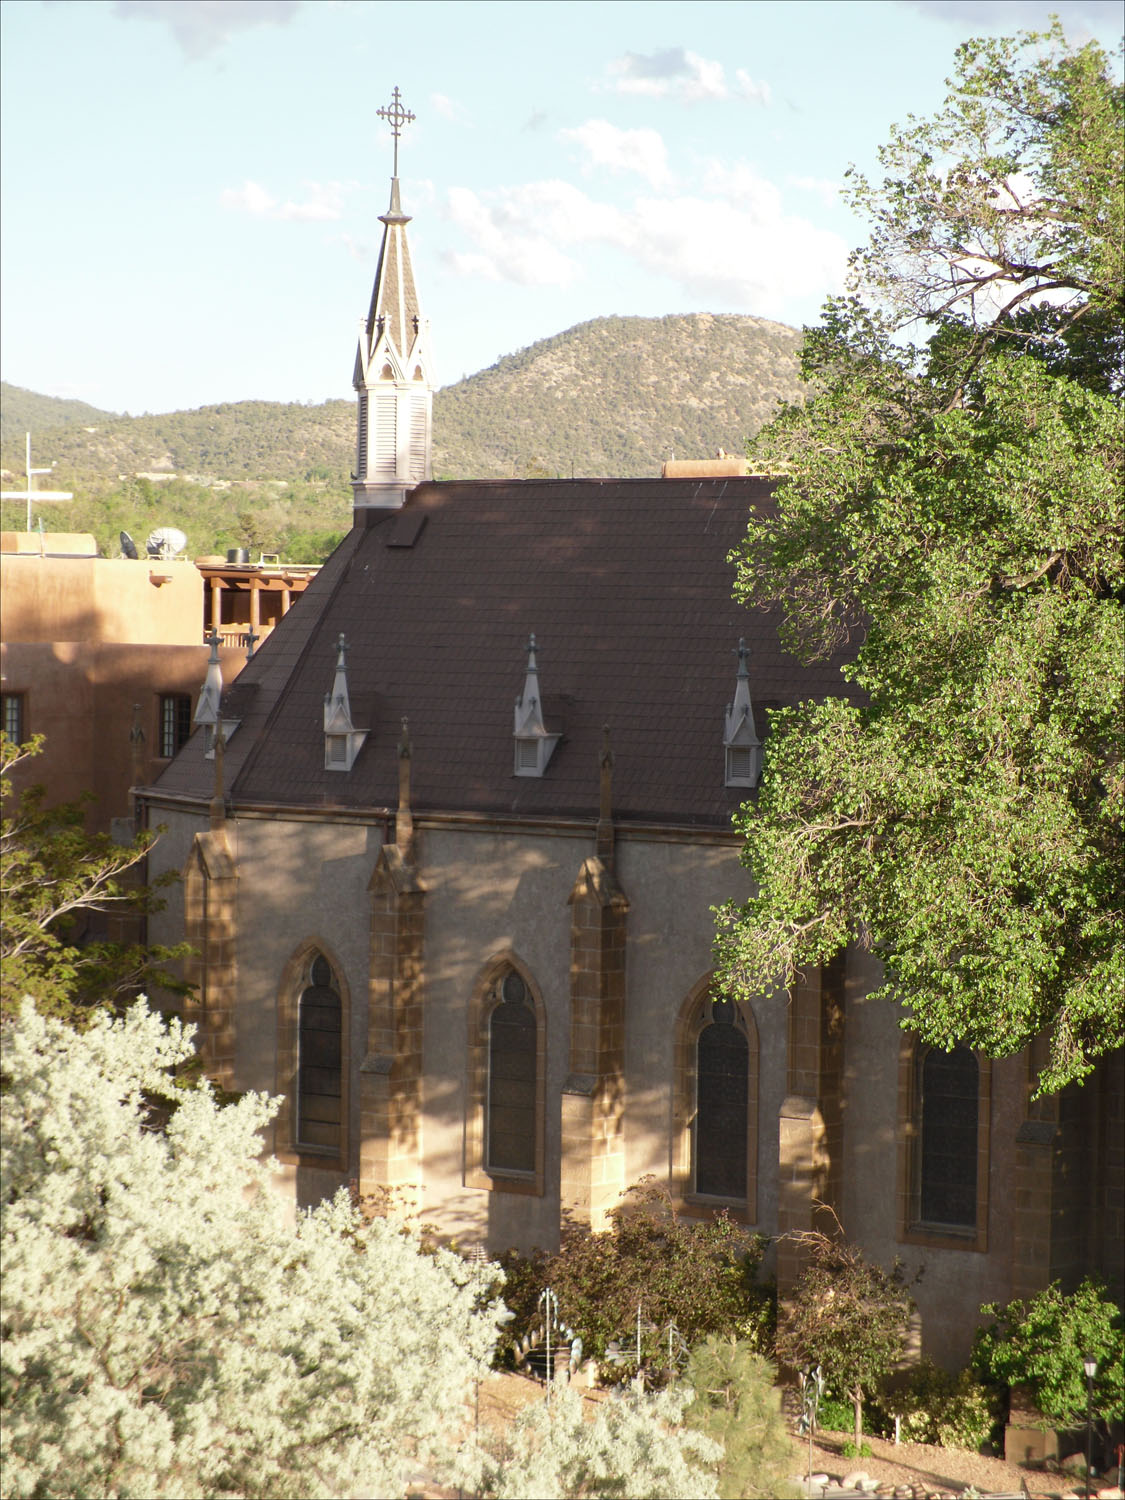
(81, 695)
(89, 599)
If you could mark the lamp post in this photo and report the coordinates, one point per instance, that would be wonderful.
(1090, 1365)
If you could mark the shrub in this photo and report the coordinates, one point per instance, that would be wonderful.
(737, 1404)
(167, 1331)
(934, 1406)
(1040, 1344)
(632, 1448)
(834, 1416)
(848, 1317)
(698, 1273)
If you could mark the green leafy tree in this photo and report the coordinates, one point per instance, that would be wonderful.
(847, 1316)
(167, 1329)
(1041, 1344)
(738, 1405)
(699, 1274)
(54, 875)
(949, 519)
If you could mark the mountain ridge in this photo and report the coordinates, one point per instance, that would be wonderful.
(612, 396)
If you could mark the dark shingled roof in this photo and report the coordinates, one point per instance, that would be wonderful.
(627, 587)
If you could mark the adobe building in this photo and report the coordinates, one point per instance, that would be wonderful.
(104, 656)
(465, 928)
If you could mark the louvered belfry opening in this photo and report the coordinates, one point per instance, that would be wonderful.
(319, 1058)
(510, 1112)
(721, 1081)
(947, 1090)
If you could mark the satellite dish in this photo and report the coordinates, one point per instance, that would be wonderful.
(128, 546)
(165, 541)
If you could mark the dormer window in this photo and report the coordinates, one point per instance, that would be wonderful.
(342, 740)
(208, 711)
(740, 741)
(534, 745)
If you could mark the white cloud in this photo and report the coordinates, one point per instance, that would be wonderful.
(449, 109)
(641, 151)
(825, 189)
(325, 202)
(745, 86)
(732, 242)
(200, 26)
(677, 73)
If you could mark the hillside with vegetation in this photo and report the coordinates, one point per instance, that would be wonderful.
(615, 396)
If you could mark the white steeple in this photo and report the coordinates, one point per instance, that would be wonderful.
(392, 378)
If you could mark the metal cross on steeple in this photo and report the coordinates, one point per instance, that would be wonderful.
(396, 117)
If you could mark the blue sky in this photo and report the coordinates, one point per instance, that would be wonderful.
(191, 188)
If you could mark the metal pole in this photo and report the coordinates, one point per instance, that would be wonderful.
(1089, 1426)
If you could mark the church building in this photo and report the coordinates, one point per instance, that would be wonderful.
(450, 848)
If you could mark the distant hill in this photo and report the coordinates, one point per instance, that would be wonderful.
(26, 411)
(615, 396)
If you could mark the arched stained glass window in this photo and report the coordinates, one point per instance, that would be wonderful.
(722, 1075)
(947, 1093)
(320, 1048)
(510, 1111)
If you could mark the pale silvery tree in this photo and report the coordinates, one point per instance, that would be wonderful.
(167, 1332)
(630, 1447)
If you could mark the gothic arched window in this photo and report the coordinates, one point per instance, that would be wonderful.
(715, 1103)
(319, 1060)
(947, 1094)
(722, 1058)
(510, 1113)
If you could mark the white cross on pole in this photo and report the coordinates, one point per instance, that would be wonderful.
(30, 494)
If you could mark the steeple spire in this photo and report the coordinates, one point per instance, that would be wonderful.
(392, 376)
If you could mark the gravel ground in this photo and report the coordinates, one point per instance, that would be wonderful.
(918, 1469)
(929, 1469)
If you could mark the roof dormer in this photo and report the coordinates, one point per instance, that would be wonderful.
(534, 744)
(342, 740)
(740, 741)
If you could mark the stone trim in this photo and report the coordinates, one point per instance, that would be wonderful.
(909, 1230)
(482, 1001)
(294, 979)
(694, 1014)
(211, 927)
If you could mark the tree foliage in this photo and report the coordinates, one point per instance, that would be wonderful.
(630, 1447)
(168, 1332)
(847, 1316)
(53, 876)
(1041, 1344)
(949, 518)
(699, 1274)
(737, 1404)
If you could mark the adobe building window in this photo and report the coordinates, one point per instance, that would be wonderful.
(716, 1103)
(14, 719)
(175, 723)
(946, 1138)
(506, 1101)
(312, 1061)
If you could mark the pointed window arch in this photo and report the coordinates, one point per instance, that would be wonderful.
(506, 1103)
(715, 1123)
(320, 1045)
(945, 1106)
(313, 1060)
